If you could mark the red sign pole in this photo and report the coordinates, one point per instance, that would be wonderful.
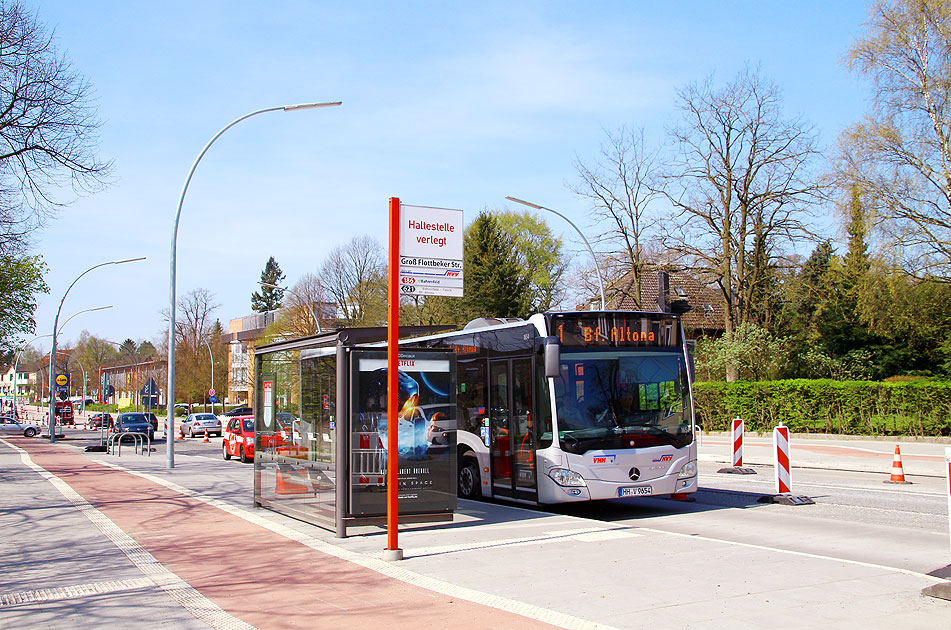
(393, 551)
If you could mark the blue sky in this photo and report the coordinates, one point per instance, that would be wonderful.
(444, 104)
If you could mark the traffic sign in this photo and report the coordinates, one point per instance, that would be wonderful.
(430, 251)
(213, 398)
(211, 392)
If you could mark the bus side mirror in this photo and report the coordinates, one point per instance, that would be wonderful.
(691, 373)
(552, 358)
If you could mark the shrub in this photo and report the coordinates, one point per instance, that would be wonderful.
(921, 408)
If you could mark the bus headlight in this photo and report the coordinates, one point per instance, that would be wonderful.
(689, 470)
(565, 477)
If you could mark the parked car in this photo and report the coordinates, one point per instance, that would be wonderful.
(200, 423)
(12, 426)
(96, 421)
(239, 439)
(152, 419)
(238, 411)
(135, 423)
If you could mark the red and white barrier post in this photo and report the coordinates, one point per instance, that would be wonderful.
(781, 466)
(737, 442)
(947, 465)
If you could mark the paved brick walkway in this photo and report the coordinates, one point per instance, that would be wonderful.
(252, 573)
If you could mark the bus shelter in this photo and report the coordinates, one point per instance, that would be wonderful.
(321, 424)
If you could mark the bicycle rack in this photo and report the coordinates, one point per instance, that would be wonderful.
(141, 444)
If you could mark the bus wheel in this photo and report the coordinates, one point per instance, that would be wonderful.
(469, 486)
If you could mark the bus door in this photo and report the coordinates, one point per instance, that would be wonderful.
(512, 447)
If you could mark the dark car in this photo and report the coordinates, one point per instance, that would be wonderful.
(135, 423)
(96, 421)
(234, 413)
(152, 420)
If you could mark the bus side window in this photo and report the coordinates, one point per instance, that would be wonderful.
(543, 429)
(470, 398)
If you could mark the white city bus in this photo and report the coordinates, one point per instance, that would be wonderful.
(572, 406)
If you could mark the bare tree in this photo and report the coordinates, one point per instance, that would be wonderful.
(900, 155)
(48, 128)
(194, 326)
(354, 277)
(307, 298)
(620, 187)
(742, 186)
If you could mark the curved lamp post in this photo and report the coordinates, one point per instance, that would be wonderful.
(52, 416)
(299, 297)
(590, 251)
(20, 351)
(170, 385)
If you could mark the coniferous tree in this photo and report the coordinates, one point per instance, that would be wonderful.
(267, 298)
(495, 285)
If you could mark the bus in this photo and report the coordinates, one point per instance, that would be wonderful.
(572, 406)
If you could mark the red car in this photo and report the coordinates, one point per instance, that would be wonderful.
(238, 439)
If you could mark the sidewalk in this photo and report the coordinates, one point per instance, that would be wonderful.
(182, 548)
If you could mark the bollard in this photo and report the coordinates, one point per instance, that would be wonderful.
(947, 464)
(781, 465)
(737, 442)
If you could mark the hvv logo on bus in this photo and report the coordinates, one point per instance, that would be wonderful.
(603, 459)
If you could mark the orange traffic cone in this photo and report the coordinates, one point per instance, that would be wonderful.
(206, 440)
(898, 473)
(285, 485)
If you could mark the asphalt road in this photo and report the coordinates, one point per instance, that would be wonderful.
(855, 515)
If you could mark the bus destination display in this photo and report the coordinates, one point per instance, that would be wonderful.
(615, 330)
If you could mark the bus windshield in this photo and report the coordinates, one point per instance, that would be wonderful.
(622, 399)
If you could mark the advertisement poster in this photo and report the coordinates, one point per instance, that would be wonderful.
(427, 432)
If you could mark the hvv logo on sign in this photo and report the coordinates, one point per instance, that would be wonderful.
(603, 459)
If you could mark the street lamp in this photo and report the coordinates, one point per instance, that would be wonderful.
(170, 385)
(52, 422)
(20, 351)
(590, 251)
(299, 297)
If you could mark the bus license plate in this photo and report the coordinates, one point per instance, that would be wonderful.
(636, 491)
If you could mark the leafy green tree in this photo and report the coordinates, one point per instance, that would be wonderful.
(540, 256)
(268, 298)
(754, 351)
(494, 283)
(21, 279)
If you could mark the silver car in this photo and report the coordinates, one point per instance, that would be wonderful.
(200, 424)
(12, 426)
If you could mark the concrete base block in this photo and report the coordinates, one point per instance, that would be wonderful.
(786, 499)
(737, 470)
(392, 555)
(941, 590)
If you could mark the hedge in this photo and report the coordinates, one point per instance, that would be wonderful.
(919, 408)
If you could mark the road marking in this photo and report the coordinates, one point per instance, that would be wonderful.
(72, 592)
(803, 554)
(589, 534)
(178, 589)
(380, 566)
(808, 484)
